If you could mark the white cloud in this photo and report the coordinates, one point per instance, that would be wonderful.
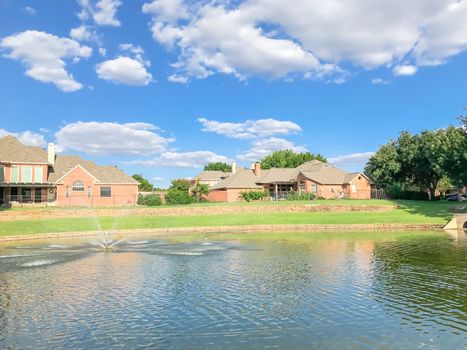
(137, 50)
(102, 51)
(379, 81)
(43, 54)
(250, 128)
(28, 138)
(103, 12)
(29, 10)
(157, 179)
(404, 70)
(124, 70)
(276, 38)
(106, 138)
(174, 78)
(351, 161)
(81, 33)
(172, 159)
(264, 147)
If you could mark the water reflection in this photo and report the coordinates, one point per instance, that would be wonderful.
(343, 292)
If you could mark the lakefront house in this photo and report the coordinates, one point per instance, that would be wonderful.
(321, 179)
(34, 176)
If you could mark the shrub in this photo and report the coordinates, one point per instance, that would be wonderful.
(174, 196)
(150, 200)
(253, 195)
(297, 196)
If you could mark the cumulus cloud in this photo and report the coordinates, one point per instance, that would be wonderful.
(264, 147)
(250, 128)
(84, 33)
(106, 138)
(102, 12)
(43, 54)
(404, 70)
(28, 138)
(124, 70)
(276, 38)
(172, 159)
(351, 161)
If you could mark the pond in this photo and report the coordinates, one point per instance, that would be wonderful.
(229, 291)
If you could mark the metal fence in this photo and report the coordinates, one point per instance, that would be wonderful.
(378, 193)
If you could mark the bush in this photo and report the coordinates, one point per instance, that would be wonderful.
(253, 195)
(174, 197)
(399, 191)
(150, 200)
(297, 196)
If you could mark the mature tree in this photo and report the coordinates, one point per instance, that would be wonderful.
(384, 166)
(288, 159)
(219, 166)
(144, 184)
(199, 190)
(179, 192)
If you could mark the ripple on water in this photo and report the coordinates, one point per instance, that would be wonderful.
(38, 263)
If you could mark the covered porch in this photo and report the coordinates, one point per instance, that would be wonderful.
(280, 190)
(27, 194)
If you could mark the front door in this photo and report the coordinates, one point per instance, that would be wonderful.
(2, 200)
(38, 195)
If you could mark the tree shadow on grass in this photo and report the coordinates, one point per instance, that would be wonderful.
(434, 209)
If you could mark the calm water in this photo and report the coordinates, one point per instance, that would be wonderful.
(318, 291)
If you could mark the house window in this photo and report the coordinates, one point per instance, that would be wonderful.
(67, 192)
(314, 188)
(38, 172)
(26, 174)
(302, 186)
(14, 174)
(2, 174)
(78, 186)
(106, 191)
(353, 188)
(89, 192)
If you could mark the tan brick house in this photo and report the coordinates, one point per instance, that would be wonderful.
(31, 175)
(321, 179)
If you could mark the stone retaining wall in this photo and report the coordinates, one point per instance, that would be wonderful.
(238, 229)
(33, 214)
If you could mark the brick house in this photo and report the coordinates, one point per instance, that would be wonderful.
(31, 175)
(321, 179)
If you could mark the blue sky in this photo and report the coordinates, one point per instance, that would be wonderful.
(162, 87)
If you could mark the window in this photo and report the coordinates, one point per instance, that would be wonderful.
(67, 192)
(89, 192)
(302, 186)
(26, 174)
(314, 188)
(78, 186)
(353, 188)
(38, 172)
(106, 191)
(14, 174)
(2, 173)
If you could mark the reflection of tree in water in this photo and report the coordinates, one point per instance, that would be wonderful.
(424, 281)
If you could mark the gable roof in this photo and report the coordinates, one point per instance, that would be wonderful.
(103, 174)
(325, 174)
(243, 178)
(212, 175)
(13, 151)
(276, 175)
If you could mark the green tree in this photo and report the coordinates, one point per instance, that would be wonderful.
(179, 192)
(288, 159)
(384, 166)
(199, 190)
(144, 184)
(218, 166)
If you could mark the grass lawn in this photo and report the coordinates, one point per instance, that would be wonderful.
(409, 212)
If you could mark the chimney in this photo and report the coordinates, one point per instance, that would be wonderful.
(234, 167)
(257, 169)
(51, 154)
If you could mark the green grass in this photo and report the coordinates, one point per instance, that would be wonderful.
(409, 212)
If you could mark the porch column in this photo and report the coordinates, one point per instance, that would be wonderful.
(275, 190)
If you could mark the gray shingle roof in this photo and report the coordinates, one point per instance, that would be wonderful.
(103, 174)
(11, 150)
(212, 175)
(244, 178)
(276, 175)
